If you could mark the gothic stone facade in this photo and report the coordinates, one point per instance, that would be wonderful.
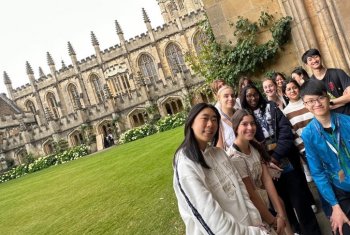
(109, 92)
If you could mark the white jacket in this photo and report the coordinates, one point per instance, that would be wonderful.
(218, 196)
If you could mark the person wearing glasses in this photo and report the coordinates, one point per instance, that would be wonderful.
(327, 145)
(337, 82)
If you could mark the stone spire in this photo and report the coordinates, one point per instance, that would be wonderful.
(70, 49)
(7, 79)
(41, 72)
(63, 65)
(29, 68)
(117, 28)
(94, 39)
(49, 59)
(145, 16)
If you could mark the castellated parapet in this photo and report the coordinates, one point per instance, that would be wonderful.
(105, 93)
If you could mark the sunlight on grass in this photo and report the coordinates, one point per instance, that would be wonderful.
(123, 190)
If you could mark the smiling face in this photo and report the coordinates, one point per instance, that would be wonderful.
(317, 105)
(204, 127)
(270, 88)
(252, 97)
(246, 129)
(279, 80)
(292, 92)
(314, 62)
(226, 98)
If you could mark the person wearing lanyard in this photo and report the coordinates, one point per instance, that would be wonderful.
(327, 145)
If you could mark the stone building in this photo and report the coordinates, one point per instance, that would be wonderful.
(108, 92)
(322, 24)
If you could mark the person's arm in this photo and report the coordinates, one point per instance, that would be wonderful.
(258, 202)
(193, 185)
(320, 176)
(285, 140)
(345, 83)
(275, 200)
(315, 164)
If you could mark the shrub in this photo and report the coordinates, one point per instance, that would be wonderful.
(171, 121)
(45, 162)
(137, 133)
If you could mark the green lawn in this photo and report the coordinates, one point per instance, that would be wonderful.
(124, 190)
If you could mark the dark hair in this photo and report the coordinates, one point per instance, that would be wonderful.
(313, 87)
(262, 101)
(284, 87)
(274, 76)
(301, 72)
(237, 119)
(241, 82)
(190, 145)
(310, 53)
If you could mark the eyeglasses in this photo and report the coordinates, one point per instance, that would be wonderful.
(313, 101)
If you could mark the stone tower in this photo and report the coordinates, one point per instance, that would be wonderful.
(171, 9)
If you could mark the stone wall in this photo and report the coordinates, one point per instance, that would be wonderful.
(322, 24)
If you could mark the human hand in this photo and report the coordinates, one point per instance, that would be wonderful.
(279, 224)
(338, 218)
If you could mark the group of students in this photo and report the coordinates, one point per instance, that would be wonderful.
(240, 169)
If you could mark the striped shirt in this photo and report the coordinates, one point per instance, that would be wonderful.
(299, 117)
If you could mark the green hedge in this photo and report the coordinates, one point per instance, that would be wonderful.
(45, 162)
(164, 124)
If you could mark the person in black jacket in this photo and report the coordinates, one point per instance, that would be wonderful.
(336, 81)
(275, 132)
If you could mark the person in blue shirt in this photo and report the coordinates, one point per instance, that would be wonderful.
(327, 145)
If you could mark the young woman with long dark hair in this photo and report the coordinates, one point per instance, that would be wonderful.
(211, 196)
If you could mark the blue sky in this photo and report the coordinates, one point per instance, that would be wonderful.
(29, 29)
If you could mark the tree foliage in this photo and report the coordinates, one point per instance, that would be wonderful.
(247, 56)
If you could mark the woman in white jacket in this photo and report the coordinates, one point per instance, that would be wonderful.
(211, 196)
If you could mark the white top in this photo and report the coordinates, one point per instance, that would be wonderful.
(228, 136)
(247, 165)
(218, 195)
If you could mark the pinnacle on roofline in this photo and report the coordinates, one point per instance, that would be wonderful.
(7, 79)
(118, 28)
(70, 49)
(145, 16)
(29, 68)
(94, 39)
(49, 59)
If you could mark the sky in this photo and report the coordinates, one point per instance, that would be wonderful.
(29, 29)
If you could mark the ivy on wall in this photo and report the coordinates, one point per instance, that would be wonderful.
(249, 55)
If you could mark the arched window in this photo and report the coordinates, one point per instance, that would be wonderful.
(147, 68)
(121, 83)
(30, 106)
(96, 85)
(175, 58)
(173, 106)
(74, 96)
(48, 148)
(199, 39)
(138, 117)
(76, 138)
(51, 101)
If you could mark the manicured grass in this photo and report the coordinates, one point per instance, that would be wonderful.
(123, 190)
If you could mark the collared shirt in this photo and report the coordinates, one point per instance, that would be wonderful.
(323, 161)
